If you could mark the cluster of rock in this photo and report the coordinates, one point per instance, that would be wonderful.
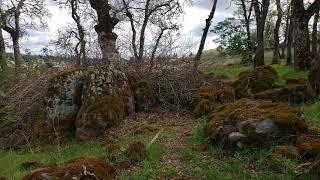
(85, 102)
(253, 110)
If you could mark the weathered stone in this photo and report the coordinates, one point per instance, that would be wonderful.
(258, 120)
(64, 101)
(93, 119)
(291, 93)
(85, 102)
(78, 168)
(251, 82)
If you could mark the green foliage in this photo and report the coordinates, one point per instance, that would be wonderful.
(232, 38)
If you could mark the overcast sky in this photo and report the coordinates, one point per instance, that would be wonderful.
(194, 21)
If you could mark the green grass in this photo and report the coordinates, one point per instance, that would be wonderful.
(150, 166)
(312, 114)
(10, 161)
(222, 163)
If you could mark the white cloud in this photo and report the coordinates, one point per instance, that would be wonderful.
(194, 21)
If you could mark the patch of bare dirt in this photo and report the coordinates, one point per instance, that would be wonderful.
(175, 128)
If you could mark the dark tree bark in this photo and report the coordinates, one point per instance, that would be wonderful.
(261, 12)
(204, 36)
(314, 77)
(315, 34)
(15, 34)
(276, 48)
(300, 18)
(106, 23)
(3, 63)
(81, 54)
(286, 33)
(289, 44)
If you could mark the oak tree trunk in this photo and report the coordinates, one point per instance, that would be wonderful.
(261, 12)
(289, 44)
(106, 23)
(301, 44)
(276, 51)
(315, 34)
(3, 63)
(17, 55)
(300, 18)
(314, 77)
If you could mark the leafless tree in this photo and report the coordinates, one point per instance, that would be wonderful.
(76, 7)
(261, 11)
(140, 14)
(18, 13)
(204, 35)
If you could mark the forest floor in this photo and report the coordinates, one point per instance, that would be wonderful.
(176, 145)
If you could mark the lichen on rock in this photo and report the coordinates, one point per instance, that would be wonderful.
(85, 102)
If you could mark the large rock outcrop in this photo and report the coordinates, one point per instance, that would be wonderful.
(254, 122)
(85, 102)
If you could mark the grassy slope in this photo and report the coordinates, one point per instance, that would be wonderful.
(214, 163)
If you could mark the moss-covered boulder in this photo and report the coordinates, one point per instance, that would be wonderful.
(78, 168)
(94, 118)
(251, 82)
(296, 81)
(210, 96)
(254, 122)
(91, 99)
(63, 102)
(295, 93)
(309, 144)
